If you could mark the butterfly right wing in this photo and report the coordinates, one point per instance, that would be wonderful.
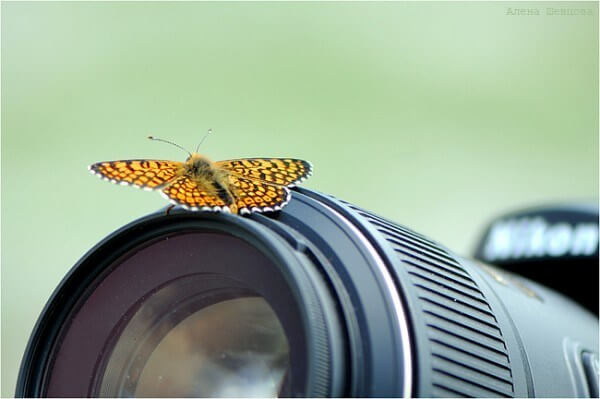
(144, 173)
(279, 171)
(257, 196)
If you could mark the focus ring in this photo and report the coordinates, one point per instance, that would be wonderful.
(468, 351)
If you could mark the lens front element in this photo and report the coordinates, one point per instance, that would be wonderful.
(236, 347)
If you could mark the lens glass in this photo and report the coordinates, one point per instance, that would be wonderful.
(233, 348)
(201, 346)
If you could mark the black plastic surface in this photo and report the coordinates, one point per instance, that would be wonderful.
(592, 372)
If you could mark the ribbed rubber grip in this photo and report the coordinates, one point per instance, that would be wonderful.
(468, 352)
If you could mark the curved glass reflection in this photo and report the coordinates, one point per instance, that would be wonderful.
(233, 348)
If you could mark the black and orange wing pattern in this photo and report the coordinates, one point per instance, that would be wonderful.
(256, 196)
(249, 185)
(187, 193)
(147, 174)
(280, 171)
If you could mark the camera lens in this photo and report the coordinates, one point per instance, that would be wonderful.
(188, 305)
(320, 299)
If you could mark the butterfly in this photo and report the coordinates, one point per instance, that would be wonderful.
(239, 186)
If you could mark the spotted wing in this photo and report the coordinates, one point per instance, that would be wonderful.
(149, 174)
(185, 192)
(281, 171)
(256, 196)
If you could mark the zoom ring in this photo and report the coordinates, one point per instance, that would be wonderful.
(468, 351)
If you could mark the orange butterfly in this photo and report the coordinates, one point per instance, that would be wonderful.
(198, 184)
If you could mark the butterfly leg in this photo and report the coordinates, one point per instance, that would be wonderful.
(169, 209)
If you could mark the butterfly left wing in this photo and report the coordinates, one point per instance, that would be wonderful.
(148, 174)
(187, 193)
(256, 196)
(280, 171)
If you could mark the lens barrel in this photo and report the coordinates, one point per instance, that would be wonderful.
(320, 299)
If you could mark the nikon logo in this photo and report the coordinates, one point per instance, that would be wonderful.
(534, 237)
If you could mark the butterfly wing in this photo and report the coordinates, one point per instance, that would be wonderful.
(280, 171)
(149, 174)
(187, 193)
(256, 196)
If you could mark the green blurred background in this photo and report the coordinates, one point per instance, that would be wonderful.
(436, 115)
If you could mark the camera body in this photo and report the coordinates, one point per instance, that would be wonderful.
(320, 299)
(555, 245)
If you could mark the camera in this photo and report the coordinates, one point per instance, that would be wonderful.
(323, 298)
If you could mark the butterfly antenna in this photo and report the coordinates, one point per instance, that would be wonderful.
(168, 142)
(205, 136)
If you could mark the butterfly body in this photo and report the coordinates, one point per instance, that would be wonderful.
(198, 184)
(213, 180)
